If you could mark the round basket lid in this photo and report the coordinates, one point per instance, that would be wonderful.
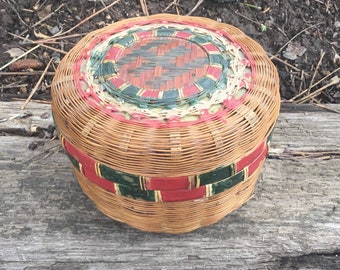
(163, 74)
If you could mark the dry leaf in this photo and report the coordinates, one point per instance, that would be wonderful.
(294, 50)
(335, 79)
(40, 35)
(45, 11)
(15, 52)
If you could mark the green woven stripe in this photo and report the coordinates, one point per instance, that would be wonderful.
(146, 195)
(165, 32)
(218, 60)
(74, 162)
(200, 39)
(96, 59)
(217, 175)
(129, 186)
(151, 195)
(126, 40)
(206, 84)
(131, 91)
(105, 69)
(119, 177)
(228, 183)
(169, 97)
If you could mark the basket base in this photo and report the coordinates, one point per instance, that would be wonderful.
(169, 217)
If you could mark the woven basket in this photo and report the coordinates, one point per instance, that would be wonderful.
(166, 119)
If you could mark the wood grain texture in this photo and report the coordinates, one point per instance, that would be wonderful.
(35, 118)
(293, 219)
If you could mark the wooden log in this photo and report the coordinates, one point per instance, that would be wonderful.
(292, 221)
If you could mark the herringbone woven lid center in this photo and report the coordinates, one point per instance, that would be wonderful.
(160, 72)
(162, 64)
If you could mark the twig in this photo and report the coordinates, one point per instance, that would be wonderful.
(315, 71)
(286, 63)
(37, 85)
(60, 34)
(302, 80)
(44, 19)
(90, 17)
(17, 116)
(252, 6)
(177, 10)
(20, 56)
(245, 17)
(199, 2)
(298, 34)
(29, 73)
(40, 43)
(13, 86)
(46, 153)
(54, 38)
(173, 3)
(144, 7)
(318, 91)
(48, 16)
(321, 80)
(327, 108)
(11, 5)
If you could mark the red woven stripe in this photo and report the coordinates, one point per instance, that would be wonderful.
(252, 167)
(214, 71)
(249, 159)
(150, 94)
(183, 195)
(183, 35)
(113, 53)
(211, 48)
(172, 183)
(88, 167)
(118, 82)
(145, 34)
(190, 90)
(91, 175)
(76, 153)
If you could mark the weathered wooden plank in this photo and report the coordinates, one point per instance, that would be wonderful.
(293, 220)
(307, 131)
(31, 120)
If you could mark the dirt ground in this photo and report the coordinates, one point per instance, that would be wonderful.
(302, 37)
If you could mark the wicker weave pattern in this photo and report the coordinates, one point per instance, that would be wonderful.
(166, 119)
(171, 217)
(166, 189)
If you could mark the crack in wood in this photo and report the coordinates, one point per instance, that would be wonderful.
(33, 131)
(322, 260)
(294, 155)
